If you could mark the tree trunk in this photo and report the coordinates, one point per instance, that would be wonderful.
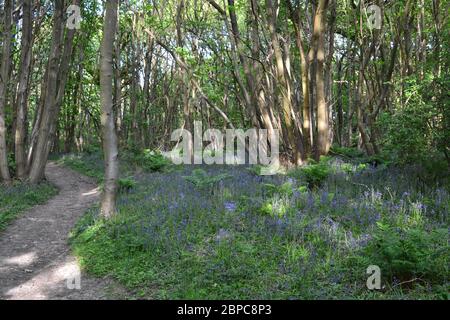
(340, 112)
(22, 94)
(110, 145)
(185, 88)
(117, 99)
(4, 81)
(304, 63)
(40, 150)
(72, 110)
(323, 139)
(436, 36)
(237, 46)
(58, 68)
(293, 135)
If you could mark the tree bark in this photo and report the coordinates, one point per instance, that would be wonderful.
(185, 88)
(304, 64)
(293, 135)
(110, 144)
(40, 150)
(58, 68)
(23, 91)
(4, 81)
(323, 139)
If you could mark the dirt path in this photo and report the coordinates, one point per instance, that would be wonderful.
(35, 260)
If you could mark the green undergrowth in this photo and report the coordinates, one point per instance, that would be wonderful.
(226, 232)
(19, 197)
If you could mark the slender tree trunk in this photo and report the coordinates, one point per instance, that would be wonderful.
(110, 144)
(185, 88)
(63, 73)
(437, 36)
(134, 86)
(22, 94)
(421, 40)
(263, 108)
(304, 63)
(323, 133)
(349, 132)
(237, 45)
(331, 25)
(293, 136)
(41, 148)
(58, 69)
(149, 61)
(340, 113)
(73, 109)
(4, 81)
(365, 139)
(117, 99)
(37, 121)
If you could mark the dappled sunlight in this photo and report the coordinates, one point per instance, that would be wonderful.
(35, 261)
(51, 279)
(322, 221)
(22, 260)
(92, 192)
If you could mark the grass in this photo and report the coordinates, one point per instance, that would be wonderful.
(90, 165)
(246, 236)
(19, 197)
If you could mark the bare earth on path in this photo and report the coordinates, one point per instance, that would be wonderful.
(35, 259)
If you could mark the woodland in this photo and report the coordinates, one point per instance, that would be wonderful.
(357, 90)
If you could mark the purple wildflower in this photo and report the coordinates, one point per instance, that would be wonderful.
(230, 206)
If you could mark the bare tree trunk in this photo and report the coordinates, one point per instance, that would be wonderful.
(185, 88)
(293, 135)
(58, 69)
(117, 99)
(149, 61)
(331, 25)
(73, 109)
(350, 90)
(257, 71)
(237, 45)
(134, 81)
(4, 80)
(323, 139)
(421, 39)
(110, 144)
(304, 63)
(349, 133)
(365, 139)
(41, 149)
(22, 94)
(340, 112)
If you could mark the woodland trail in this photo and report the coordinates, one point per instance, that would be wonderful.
(35, 259)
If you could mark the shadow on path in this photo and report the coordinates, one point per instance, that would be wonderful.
(35, 259)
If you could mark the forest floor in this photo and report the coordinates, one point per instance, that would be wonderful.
(226, 232)
(35, 258)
